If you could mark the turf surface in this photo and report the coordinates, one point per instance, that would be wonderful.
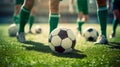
(36, 52)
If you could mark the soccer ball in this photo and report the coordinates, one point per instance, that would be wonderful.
(12, 30)
(38, 29)
(90, 34)
(62, 40)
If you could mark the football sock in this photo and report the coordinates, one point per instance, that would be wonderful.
(102, 19)
(24, 16)
(80, 23)
(16, 19)
(53, 21)
(31, 21)
(115, 23)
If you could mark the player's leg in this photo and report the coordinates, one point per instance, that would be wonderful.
(102, 13)
(24, 13)
(80, 23)
(31, 21)
(24, 16)
(53, 14)
(83, 12)
(116, 13)
(18, 4)
(80, 15)
(32, 17)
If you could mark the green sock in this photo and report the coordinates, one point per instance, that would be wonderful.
(24, 16)
(31, 21)
(102, 14)
(80, 23)
(16, 19)
(115, 23)
(53, 21)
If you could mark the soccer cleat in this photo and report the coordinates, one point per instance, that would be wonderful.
(112, 35)
(79, 35)
(21, 37)
(101, 40)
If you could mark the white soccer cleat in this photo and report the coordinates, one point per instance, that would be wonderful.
(112, 35)
(21, 37)
(101, 40)
(78, 34)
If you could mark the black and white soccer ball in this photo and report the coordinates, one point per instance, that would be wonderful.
(62, 40)
(12, 30)
(90, 34)
(38, 30)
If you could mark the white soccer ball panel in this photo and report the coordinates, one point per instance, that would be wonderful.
(55, 31)
(66, 43)
(90, 33)
(52, 47)
(62, 40)
(64, 29)
(94, 34)
(86, 34)
(56, 40)
(71, 34)
(12, 30)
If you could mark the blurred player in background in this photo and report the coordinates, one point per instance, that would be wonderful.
(102, 14)
(82, 14)
(23, 19)
(82, 6)
(18, 4)
(54, 14)
(116, 13)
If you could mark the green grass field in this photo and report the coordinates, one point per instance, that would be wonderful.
(36, 52)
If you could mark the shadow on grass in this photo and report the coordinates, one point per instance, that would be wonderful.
(73, 54)
(32, 33)
(114, 45)
(37, 46)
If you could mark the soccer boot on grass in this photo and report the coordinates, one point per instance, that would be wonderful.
(112, 35)
(101, 40)
(21, 37)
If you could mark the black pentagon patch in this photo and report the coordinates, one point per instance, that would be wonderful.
(90, 30)
(59, 49)
(50, 38)
(73, 43)
(90, 39)
(63, 34)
